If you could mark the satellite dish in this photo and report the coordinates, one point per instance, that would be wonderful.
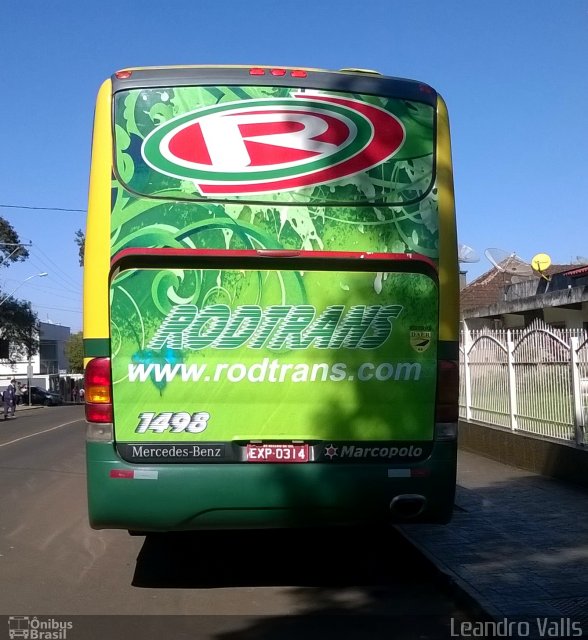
(467, 254)
(509, 262)
(498, 257)
(540, 262)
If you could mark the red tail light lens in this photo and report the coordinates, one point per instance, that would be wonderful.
(447, 391)
(98, 391)
(99, 413)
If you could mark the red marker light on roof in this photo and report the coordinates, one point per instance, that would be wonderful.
(256, 71)
(124, 74)
(298, 73)
(278, 72)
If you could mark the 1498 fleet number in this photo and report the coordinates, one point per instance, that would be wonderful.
(173, 422)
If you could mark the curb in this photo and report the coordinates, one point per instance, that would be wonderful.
(459, 587)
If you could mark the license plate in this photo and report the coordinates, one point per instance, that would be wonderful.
(277, 453)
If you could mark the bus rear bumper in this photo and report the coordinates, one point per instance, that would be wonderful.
(184, 497)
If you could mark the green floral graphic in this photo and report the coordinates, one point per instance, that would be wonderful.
(325, 369)
(391, 208)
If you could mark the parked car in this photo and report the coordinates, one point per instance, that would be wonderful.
(41, 396)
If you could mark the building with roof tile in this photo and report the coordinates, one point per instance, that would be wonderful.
(513, 296)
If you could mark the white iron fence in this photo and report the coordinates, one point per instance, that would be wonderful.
(533, 380)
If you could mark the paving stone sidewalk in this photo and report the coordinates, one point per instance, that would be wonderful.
(518, 542)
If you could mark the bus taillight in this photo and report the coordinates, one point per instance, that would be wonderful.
(98, 391)
(447, 391)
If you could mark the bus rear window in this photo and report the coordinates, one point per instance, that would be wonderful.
(273, 144)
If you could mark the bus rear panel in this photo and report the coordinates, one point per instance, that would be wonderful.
(270, 301)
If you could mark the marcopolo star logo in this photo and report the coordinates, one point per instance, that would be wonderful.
(331, 451)
(268, 145)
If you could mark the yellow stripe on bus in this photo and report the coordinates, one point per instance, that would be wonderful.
(448, 264)
(97, 248)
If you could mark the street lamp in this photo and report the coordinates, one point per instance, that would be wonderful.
(35, 275)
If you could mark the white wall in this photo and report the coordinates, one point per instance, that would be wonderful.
(48, 332)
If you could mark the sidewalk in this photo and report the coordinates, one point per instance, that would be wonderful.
(517, 544)
(25, 407)
(21, 407)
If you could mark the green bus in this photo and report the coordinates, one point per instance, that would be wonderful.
(270, 300)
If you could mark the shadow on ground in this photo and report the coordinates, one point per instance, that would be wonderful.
(347, 583)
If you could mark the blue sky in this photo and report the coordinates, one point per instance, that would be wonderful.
(512, 73)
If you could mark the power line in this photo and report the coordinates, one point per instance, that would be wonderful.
(22, 206)
(65, 277)
(75, 297)
(41, 306)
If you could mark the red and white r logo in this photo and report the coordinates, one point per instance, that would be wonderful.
(271, 145)
(248, 140)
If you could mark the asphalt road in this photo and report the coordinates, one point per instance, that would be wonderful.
(270, 584)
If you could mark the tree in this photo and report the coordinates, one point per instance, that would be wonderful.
(19, 325)
(80, 240)
(74, 352)
(11, 248)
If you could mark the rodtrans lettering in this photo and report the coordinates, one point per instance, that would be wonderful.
(279, 326)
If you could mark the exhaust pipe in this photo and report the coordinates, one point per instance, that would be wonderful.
(408, 505)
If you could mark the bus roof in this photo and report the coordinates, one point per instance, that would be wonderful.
(348, 80)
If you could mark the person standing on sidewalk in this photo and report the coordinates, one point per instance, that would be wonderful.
(9, 398)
